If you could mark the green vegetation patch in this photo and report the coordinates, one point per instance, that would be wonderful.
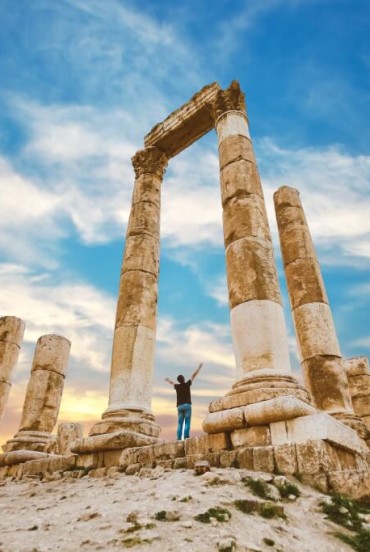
(345, 512)
(360, 541)
(160, 516)
(221, 514)
(258, 487)
(287, 489)
(266, 509)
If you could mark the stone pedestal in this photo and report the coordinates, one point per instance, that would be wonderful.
(43, 395)
(321, 358)
(128, 420)
(11, 336)
(67, 434)
(358, 375)
(257, 320)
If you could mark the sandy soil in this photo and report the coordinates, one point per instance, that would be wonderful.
(117, 512)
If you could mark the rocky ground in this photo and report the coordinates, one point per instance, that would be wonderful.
(156, 510)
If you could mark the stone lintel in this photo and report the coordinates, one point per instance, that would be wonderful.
(185, 125)
(316, 427)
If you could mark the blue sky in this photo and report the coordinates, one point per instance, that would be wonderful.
(82, 82)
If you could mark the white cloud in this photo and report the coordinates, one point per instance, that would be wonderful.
(333, 188)
(78, 311)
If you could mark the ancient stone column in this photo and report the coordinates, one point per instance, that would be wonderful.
(135, 328)
(358, 375)
(257, 319)
(321, 358)
(11, 336)
(43, 395)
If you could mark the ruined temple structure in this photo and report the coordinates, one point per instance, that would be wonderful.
(268, 420)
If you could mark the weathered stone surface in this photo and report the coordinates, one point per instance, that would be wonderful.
(357, 366)
(366, 420)
(251, 272)
(50, 465)
(318, 345)
(141, 253)
(245, 458)
(232, 123)
(115, 419)
(326, 380)
(52, 354)
(137, 301)
(359, 386)
(226, 420)
(285, 457)
(43, 395)
(201, 467)
(361, 405)
(305, 283)
(144, 219)
(298, 245)
(276, 410)
(245, 216)
(323, 427)
(235, 148)
(68, 432)
(312, 457)
(228, 458)
(279, 433)
(196, 445)
(42, 402)
(315, 330)
(318, 481)
(259, 338)
(150, 160)
(147, 188)
(240, 179)
(355, 484)
(11, 330)
(11, 336)
(132, 366)
(21, 456)
(29, 440)
(185, 125)
(255, 396)
(251, 436)
(118, 440)
(218, 442)
(263, 459)
(231, 99)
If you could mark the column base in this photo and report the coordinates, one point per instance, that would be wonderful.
(119, 429)
(29, 440)
(21, 456)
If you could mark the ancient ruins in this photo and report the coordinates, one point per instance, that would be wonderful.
(267, 421)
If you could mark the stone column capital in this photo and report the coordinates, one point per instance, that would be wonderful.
(231, 99)
(150, 160)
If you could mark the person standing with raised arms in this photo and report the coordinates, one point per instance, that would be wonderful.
(183, 395)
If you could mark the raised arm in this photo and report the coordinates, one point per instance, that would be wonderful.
(194, 375)
(169, 381)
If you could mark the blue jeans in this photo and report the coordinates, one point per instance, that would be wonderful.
(183, 415)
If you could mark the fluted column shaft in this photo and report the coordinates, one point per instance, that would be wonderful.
(11, 336)
(43, 395)
(257, 319)
(135, 327)
(317, 339)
